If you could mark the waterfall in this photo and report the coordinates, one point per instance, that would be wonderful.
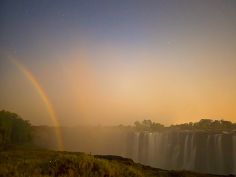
(234, 153)
(151, 149)
(186, 150)
(208, 152)
(158, 149)
(136, 146)
(220, 152)
(192, 154)
(176, 151)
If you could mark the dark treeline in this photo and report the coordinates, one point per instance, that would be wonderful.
(203, 124)
(13, 129)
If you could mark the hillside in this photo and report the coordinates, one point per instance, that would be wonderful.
(38, 162)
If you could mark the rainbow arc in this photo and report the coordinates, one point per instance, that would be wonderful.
(29, 75)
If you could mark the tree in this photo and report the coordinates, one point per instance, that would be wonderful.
(203, 124)
(148, 125)
(13, 129)
(226, 124)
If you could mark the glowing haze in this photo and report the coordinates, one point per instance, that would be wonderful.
(115, 62)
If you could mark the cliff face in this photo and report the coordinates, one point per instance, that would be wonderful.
(207, 152)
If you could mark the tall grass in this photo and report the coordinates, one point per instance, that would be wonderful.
(49, 163)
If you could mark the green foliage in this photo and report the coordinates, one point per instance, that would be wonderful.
(49, 163)
(203, 124)
(148, 125)
(13, 129)
(208, 124)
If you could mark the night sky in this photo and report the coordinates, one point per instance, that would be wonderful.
(113, 62)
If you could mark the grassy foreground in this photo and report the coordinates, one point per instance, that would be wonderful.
(37, 162)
